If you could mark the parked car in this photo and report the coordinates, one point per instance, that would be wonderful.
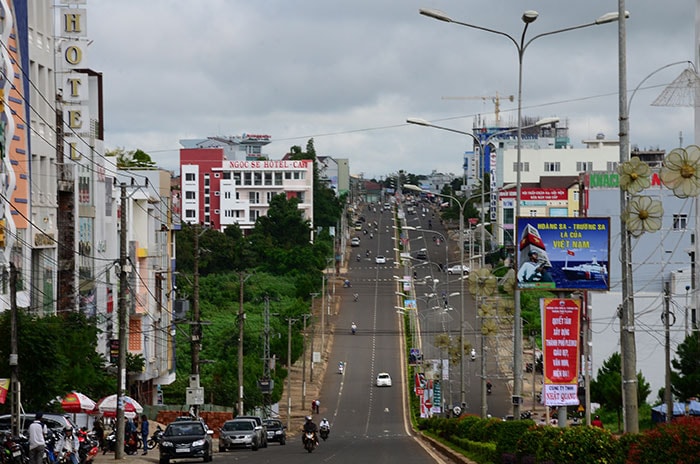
(383, 379)
(241, 433)
(276, 431)
(55, 422)
(263, 432)
(186, 439)
(457, 268)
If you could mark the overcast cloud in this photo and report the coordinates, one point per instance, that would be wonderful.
(349, 72)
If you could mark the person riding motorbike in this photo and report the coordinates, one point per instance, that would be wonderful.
(341, 366)
(355, 296)
(367, 253)
(346, 283)
(353, 327)
(310, 427)
(69, 444)
(358, 258)
(488, 387)
(324, 428)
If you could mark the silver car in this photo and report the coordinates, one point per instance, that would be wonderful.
(239, 433)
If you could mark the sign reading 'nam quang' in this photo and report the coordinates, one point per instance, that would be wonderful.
(560, 340)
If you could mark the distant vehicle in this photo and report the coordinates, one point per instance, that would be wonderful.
(457, 268)
(186, 439)
(379, 259)
(358, 225)
(422, 254)
(242, 433)
(258, 420)
(383, 380)
(276, 431)
(355, 242)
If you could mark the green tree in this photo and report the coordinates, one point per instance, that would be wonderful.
(685, 378)
(606, 388)
(134, 159)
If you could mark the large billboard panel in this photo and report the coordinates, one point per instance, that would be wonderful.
(563, 253)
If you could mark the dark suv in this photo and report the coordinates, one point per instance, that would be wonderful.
(276, 431)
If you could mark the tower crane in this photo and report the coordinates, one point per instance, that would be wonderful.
(495, 99)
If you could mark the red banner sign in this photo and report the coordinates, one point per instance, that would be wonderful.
(560, 335)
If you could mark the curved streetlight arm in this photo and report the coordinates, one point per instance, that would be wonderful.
(629, 102)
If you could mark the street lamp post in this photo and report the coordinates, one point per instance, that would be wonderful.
(528, 17)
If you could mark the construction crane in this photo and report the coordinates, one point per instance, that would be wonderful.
(496, 101)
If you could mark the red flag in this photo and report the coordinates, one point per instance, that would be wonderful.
(570, 252)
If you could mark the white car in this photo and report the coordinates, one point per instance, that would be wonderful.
(355, 242)
(383, 380)
(457, 268)
(380, 259)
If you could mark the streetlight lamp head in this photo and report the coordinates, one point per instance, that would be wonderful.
(547, 121)
(415, 188)
(610, 17)
(530, 16)
(418, 121)
(435, 14)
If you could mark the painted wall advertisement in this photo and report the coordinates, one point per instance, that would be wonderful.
(560, 338)
(563, 253)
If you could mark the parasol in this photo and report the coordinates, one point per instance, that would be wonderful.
(77, 402)
(107, 406)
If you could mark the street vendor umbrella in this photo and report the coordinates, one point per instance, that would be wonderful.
(77, 402)
(107, 406)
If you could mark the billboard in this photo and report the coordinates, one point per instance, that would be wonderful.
(560, 337)
(563, 253)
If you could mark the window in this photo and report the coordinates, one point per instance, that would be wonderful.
(508, 215)
(237, 178)
(189, 176)
(278, 178)
(680, 221)
(268, 178)
(190, 213)
(532, 213)
(584, 166)
(247, 178)
(524, 166)
(576, 192)
(257, 178)
(612, 166)
(227, 175)
(206, 179)
(552, 166)
(190, 195)
(254, 198)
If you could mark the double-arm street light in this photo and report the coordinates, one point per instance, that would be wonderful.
(521, 45)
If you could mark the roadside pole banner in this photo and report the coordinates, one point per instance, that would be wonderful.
(560, 335)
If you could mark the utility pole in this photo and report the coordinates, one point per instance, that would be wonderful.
(668, 398)
(121, 371)
(303, 365)
(15, 398)
(313, 335)
(195, 329)
(289, 372)
(241, 324)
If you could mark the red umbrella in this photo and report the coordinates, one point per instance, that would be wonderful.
(107, 406)
(77, 402)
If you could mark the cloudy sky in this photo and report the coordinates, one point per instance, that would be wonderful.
(349, 72)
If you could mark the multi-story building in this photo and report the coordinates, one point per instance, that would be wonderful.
(335, 173)
(244, 147)
(218, 192)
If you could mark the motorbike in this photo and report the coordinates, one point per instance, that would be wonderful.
(131, 442)
(358, 258)
(155, 438)
(488, 388)
(309, 441)
(355, 296)
(341, 368)
(347, 284)
(324, 431)
(88, 446)
(12, 452)
(353, 328)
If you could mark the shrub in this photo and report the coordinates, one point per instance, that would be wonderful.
(508, 435)
(677, 442)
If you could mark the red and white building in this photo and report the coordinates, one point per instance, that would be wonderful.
(219, 192)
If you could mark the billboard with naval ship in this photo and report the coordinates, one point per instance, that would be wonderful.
(563, 253)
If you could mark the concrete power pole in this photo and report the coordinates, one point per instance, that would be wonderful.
(123, 322)
(195, 332)
(15, 398)
(241, 324)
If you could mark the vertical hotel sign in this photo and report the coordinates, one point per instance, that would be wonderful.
(560, 337)
(72, 56)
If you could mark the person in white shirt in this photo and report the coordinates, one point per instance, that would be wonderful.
(69, 444)
(324, 423)
(37, 443)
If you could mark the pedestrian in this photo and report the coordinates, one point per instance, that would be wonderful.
(37, 443)
(316, 406)
(596, 422)
(144, 433)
